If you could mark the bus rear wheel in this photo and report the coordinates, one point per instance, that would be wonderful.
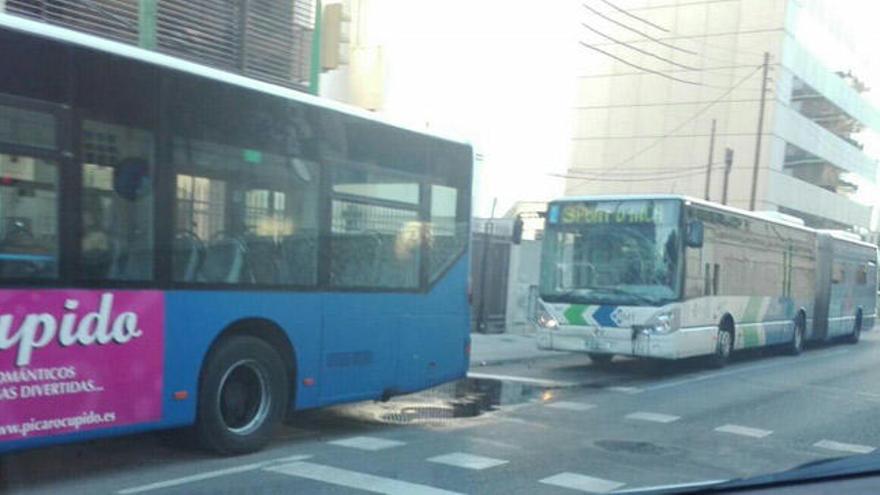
(856, 334)
(796, 346)
(243, 395)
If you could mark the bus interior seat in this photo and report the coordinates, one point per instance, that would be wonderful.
(186, 258)
(262, 259)
(299, 258)
(355, 259)
(224, 260)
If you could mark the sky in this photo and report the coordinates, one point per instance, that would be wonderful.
(501, 74)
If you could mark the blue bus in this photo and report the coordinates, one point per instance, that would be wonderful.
(181, 246)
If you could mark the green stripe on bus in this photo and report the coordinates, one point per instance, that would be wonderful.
(750, 335)
(574, 315)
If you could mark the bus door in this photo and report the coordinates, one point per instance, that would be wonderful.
(824, 263)
(33, 145)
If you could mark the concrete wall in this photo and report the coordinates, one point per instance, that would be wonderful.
(525, 268)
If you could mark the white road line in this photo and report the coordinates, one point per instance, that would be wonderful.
(523, 379)
(844, 447)
(570, 406)
(744, 369)
(354, 479)
(367, 443)
(467, 461)
(672, 488)
(655, 417)
(626, 390)
(582, 483)
(159, 485)
(744, 431)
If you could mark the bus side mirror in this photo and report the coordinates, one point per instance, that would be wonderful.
(694, 234)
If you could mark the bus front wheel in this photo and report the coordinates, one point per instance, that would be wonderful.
(723, 348)
(600, 360)
(243, 394)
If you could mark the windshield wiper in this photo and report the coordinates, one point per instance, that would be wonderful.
(561, 296)
(622, 292)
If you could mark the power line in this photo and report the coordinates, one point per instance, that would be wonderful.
(631, 47)
(630, 14)
(645, 69)
(690, 119)
(629, 28)
(635, 179)
(642, 170)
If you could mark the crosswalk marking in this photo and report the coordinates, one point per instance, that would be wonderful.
(844, 447)
(367, 443)
(744, 431)
(570, 406)
(467, 461)
(354, 479)
(655, 417)
(582, 483)
(195, 478)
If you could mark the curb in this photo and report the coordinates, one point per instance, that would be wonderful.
(474, 364)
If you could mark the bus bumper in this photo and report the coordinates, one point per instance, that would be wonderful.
(676, 345)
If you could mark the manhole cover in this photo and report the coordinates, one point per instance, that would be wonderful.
(646, 448)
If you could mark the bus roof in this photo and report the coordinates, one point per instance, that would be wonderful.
(66, 35)
(709, 204)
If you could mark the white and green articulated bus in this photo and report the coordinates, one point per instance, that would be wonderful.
(673, 277)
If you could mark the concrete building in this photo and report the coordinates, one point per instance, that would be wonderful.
(648, 129)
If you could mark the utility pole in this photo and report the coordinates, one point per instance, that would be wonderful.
(760, 133)
(709, 162)
(728, 164)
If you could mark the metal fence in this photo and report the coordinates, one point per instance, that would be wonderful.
(269, 40)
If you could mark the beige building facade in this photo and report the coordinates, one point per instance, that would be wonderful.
(655, 74)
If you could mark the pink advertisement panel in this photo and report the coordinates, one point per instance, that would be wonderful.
(79, 360)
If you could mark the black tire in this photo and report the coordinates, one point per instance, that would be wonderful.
(723, 348)
(856, 334)
(796, 346)
(243, 394)
(601, 360)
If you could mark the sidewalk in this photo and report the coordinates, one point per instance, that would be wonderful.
(489, 349)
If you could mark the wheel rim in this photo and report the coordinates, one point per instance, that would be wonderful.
(243, 400)
(724, 344)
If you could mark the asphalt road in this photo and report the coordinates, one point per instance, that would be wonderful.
(563, 426)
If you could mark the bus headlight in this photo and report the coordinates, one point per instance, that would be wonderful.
(662, 324)
(546, 321)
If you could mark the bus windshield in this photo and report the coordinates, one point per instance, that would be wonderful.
(612, 252)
